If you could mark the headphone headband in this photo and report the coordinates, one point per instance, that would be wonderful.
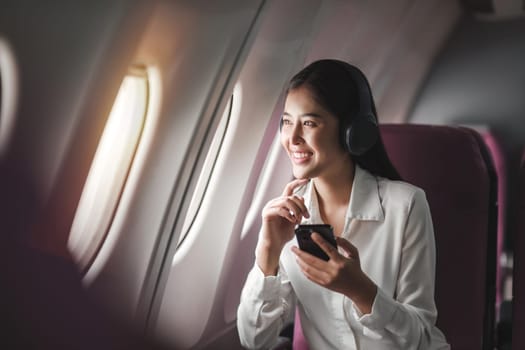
(362, 132)
(363, 89)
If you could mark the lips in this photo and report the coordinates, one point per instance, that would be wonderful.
(300, 157)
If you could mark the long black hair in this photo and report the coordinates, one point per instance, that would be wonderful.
(336, 91)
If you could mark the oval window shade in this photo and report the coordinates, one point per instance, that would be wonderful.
(110, 167)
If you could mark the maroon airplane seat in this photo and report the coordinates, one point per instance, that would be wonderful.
(453, 167)
(518, 309)
(299, 342)
(500, 165)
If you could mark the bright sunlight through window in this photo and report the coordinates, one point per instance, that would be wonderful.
(110, 167)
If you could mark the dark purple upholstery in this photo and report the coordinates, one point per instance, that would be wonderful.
(299, 343)
(452, 165)
(518, 313)
(500, 166)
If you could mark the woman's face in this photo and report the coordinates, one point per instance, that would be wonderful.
(310, 136)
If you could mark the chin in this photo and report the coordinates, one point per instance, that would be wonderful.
(300, 175)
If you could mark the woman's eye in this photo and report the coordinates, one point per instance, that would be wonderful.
(309, 123)
(286, 122)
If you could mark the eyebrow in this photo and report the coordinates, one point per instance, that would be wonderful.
(314, 115)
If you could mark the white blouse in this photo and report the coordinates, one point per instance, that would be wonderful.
(389, 222)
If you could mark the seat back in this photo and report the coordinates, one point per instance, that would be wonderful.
(299, 342)
(518, 285)
(454, 169)
(498, 159)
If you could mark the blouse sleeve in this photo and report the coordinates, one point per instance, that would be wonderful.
(267, 304)
(409, 317)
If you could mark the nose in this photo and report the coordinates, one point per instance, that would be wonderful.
(296, 133)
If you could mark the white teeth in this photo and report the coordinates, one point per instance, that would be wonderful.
(300, 155)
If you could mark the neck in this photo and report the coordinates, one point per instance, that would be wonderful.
(333, 190)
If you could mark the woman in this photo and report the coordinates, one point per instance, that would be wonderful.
(376, 291)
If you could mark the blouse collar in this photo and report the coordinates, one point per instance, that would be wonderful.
(365, 201)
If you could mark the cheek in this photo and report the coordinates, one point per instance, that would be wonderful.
(283, 139)
(330, 143)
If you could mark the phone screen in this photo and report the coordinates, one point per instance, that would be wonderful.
(304, 239)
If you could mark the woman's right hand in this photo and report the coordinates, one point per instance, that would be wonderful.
(279, 217)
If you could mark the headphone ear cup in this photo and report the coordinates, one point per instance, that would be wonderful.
(361, 135)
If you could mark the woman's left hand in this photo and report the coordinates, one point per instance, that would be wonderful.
(341, 273)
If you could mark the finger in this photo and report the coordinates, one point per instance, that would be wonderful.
(278, 200)
(294, 204)
(329, 249)
(290, 187)
(311, 266)
(308, 258)
(292, 209)
(348, 247)
(299, 203)
(284, 212)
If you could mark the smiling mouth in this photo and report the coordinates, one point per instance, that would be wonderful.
(300, 157)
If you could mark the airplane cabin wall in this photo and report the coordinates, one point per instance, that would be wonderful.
(393, 42)
(69, 62)
(60, 48)
(197, 48)
(478, 80)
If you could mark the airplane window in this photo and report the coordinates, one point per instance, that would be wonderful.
(8, 92)
(110, 167)
(204, 177)
(0, 97)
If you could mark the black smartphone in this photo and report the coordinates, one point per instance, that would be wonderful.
(304, 239)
